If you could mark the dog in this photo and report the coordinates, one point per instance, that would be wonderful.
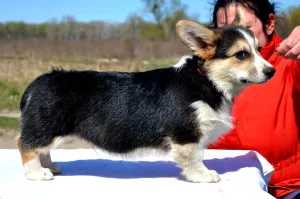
(178, 110)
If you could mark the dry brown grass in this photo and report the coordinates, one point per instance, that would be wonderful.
(25, 60)
(119, 49)
(28, 68)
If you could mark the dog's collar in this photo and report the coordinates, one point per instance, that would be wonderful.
(200, 62)
(200, 71)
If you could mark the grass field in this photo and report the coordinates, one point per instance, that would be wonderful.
(10, 93)
(10, 123)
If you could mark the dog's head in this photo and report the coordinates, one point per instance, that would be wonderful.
(231, 53)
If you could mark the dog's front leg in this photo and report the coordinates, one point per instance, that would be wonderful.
(189, 157)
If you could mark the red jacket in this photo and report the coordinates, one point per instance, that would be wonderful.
(267, 120)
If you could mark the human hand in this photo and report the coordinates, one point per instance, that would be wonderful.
(290, 47)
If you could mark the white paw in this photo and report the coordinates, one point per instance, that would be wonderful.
(55, 169)
(202, 176)
(39, 174)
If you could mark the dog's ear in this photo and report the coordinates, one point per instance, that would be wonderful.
(201, 40)
(239, 19)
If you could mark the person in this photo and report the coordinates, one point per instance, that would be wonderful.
(266, 117)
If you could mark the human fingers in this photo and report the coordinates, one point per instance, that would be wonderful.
(294, 52)
(289, 42)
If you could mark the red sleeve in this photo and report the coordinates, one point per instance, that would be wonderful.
(295, 71)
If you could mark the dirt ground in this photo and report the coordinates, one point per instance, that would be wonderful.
(8, 140)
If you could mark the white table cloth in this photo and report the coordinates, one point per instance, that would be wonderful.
(89, 173)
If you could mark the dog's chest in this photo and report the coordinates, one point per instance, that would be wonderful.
(213, 123)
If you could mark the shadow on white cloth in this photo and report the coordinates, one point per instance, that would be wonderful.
(145, 169)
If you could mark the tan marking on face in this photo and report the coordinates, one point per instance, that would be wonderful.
(240, 45)
(232, 61)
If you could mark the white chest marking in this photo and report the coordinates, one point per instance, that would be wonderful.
(213, 124)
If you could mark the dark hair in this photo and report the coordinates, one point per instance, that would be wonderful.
(261, 8)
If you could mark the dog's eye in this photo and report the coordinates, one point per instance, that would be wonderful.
(242, 55)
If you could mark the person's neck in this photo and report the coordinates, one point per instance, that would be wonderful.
(268, 50)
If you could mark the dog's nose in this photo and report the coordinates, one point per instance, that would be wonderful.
(269, 71)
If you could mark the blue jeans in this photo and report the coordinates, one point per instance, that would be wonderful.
(295, 195)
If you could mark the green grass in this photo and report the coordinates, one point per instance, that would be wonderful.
(11, 93)
(14, 58)
(9, 123)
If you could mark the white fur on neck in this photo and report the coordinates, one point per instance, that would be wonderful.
(182, 62)
(224, 87)
(228, 89)
(213, 123)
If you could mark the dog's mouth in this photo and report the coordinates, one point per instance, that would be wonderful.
(247, 81)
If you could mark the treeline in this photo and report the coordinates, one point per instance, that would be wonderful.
(287, 20)
(66, 29)
(21, 30)
(165, 14)
(70, 29)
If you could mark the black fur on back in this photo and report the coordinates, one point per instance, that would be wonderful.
(117, 111)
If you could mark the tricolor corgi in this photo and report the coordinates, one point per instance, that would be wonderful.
(180, 109)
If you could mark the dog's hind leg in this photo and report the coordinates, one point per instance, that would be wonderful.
(46, 162)
(189, 157)
(31, 161)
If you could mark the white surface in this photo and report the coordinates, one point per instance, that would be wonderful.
(89, 173)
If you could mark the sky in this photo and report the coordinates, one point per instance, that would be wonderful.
(38, 11)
